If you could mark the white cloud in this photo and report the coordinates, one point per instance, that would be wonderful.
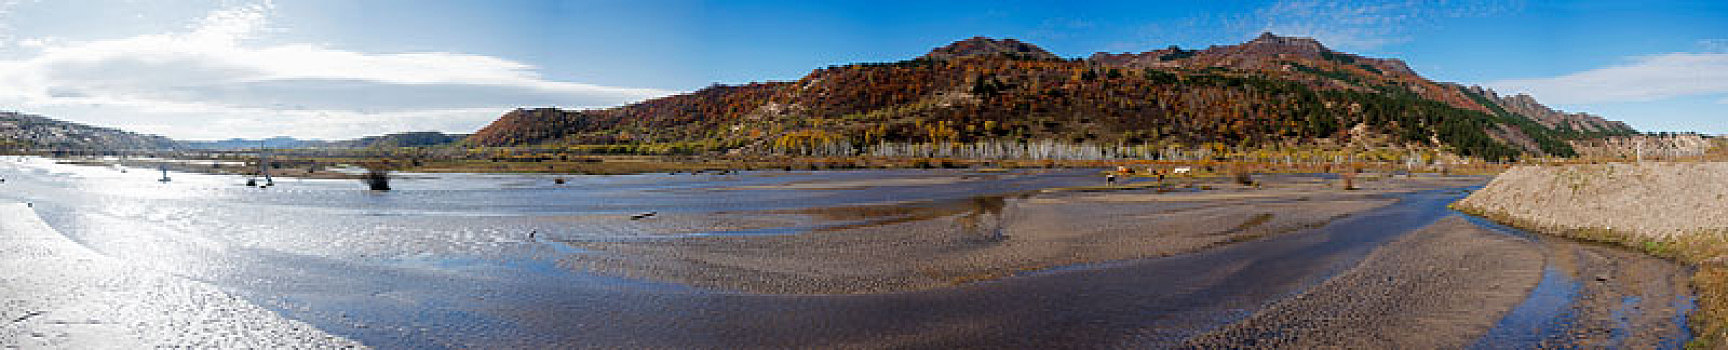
(1361, 25)
(5, 28)
(1646, 78)
(209, 81)
(1713, 45)
(34, 43)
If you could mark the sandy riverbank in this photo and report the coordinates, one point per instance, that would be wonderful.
(1454, 285)
(56, 293)
(917, 246)
(1440, 287)
(1673, 210)
(1651, 200)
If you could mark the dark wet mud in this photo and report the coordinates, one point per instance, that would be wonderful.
(1436, 288)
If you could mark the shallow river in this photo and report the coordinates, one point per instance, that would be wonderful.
(448, 260)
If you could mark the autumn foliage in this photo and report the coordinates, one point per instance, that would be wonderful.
(1277, 91)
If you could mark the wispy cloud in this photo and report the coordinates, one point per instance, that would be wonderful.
(1713, 45)
(1059, 28)
(1360, 25)
(1645, 78)
(1151, 36)
(6, 35)
(209, 81)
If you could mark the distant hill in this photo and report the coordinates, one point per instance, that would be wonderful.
(1270, 92)
(407, 139)
(982, 46)
(237, 143)
(20, 131)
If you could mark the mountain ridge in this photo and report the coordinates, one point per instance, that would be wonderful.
(400, 139)
(1272, 91)
(982, 46)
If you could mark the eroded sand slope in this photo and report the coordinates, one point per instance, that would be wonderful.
(1650, 199)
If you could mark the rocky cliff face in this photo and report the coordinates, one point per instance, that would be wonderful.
(1298, 58)
(1527, 106)
(1163, 58)
(1268, 50)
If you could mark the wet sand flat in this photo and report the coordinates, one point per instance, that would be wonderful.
(58, 294)
(914, 261)
(1440, 287)
(1142, 303)
(919, 246)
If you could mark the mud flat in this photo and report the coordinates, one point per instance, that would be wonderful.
(1671, 210)
(918, 246)
(1437, 288)
(55, 293)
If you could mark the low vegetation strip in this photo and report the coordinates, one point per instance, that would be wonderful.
(1673, 210)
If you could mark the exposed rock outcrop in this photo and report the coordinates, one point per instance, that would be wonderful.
(982, 46)
(1527, 106)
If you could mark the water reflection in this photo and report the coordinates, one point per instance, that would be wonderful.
(985, 218)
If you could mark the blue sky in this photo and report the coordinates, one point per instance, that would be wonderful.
(211, 69)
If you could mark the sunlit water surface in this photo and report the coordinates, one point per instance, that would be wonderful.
(439, 251)
(471, 260)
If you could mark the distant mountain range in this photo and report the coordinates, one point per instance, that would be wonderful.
(237, 143)
(1272, 91)
(407, 139)
(24, 131)
(20, 131)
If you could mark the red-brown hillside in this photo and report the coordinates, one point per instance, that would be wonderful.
(1272, 90)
